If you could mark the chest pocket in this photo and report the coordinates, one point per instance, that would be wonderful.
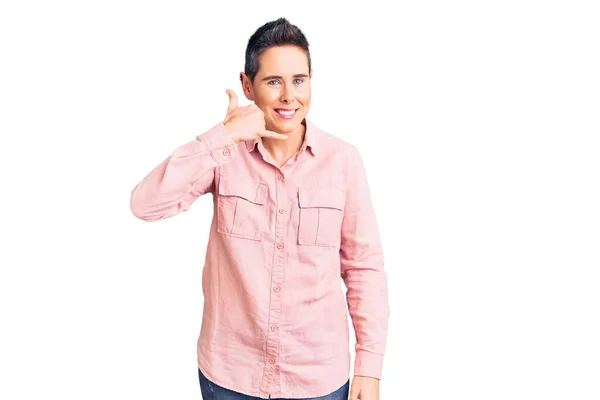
(321, 212)
(241, 208)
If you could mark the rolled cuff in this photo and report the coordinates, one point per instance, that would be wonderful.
(219, 142)
(368, 364)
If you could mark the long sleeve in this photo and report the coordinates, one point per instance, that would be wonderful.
(362, 270)
(173, 185)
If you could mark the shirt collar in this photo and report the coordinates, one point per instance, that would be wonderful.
(311, 137)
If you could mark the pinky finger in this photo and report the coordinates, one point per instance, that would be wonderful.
(273, 135)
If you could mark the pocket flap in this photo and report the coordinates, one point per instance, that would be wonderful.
(321, 197)
(254, 192)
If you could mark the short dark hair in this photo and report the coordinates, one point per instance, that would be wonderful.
(272, 34)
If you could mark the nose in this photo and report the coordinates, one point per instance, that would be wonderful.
(287, 95)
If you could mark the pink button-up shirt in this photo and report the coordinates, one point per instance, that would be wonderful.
(275, 320)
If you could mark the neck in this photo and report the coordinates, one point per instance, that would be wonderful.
(284, 148)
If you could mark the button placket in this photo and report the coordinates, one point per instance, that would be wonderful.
(271, 374)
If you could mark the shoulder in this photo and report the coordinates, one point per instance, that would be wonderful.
(332, 143)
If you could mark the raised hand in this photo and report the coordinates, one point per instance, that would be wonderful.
(246, 123)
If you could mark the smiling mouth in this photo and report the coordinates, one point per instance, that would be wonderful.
(286, 113)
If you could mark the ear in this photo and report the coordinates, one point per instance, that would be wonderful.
(246, 86)
(310, 74)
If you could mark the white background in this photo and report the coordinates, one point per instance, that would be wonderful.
(478, 122)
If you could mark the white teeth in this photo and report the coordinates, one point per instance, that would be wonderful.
(286, 112)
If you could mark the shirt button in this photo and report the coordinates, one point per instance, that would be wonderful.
(280, 245)
(280, 177)
(271, 360)
(277, 288)
(281, 210)
(226, 152)
(274, 328)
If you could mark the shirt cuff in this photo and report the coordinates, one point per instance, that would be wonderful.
(368, 364)
(219, 143)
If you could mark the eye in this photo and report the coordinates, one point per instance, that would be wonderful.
(276, 80)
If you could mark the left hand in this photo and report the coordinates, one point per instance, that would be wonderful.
(364, 388)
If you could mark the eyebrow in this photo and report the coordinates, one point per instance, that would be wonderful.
(280, 77)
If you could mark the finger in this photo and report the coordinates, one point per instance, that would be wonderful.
(233, 101)
(272, 134)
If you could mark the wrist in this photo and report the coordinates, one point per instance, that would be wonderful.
(231, 134)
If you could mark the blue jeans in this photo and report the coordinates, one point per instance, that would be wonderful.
(212, 391)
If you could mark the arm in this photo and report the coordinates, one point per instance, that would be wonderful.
(173, 185)
(362, 270)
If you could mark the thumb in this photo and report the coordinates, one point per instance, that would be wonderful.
(354, 391)
(233, 101)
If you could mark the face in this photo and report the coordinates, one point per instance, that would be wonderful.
(282, 83)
